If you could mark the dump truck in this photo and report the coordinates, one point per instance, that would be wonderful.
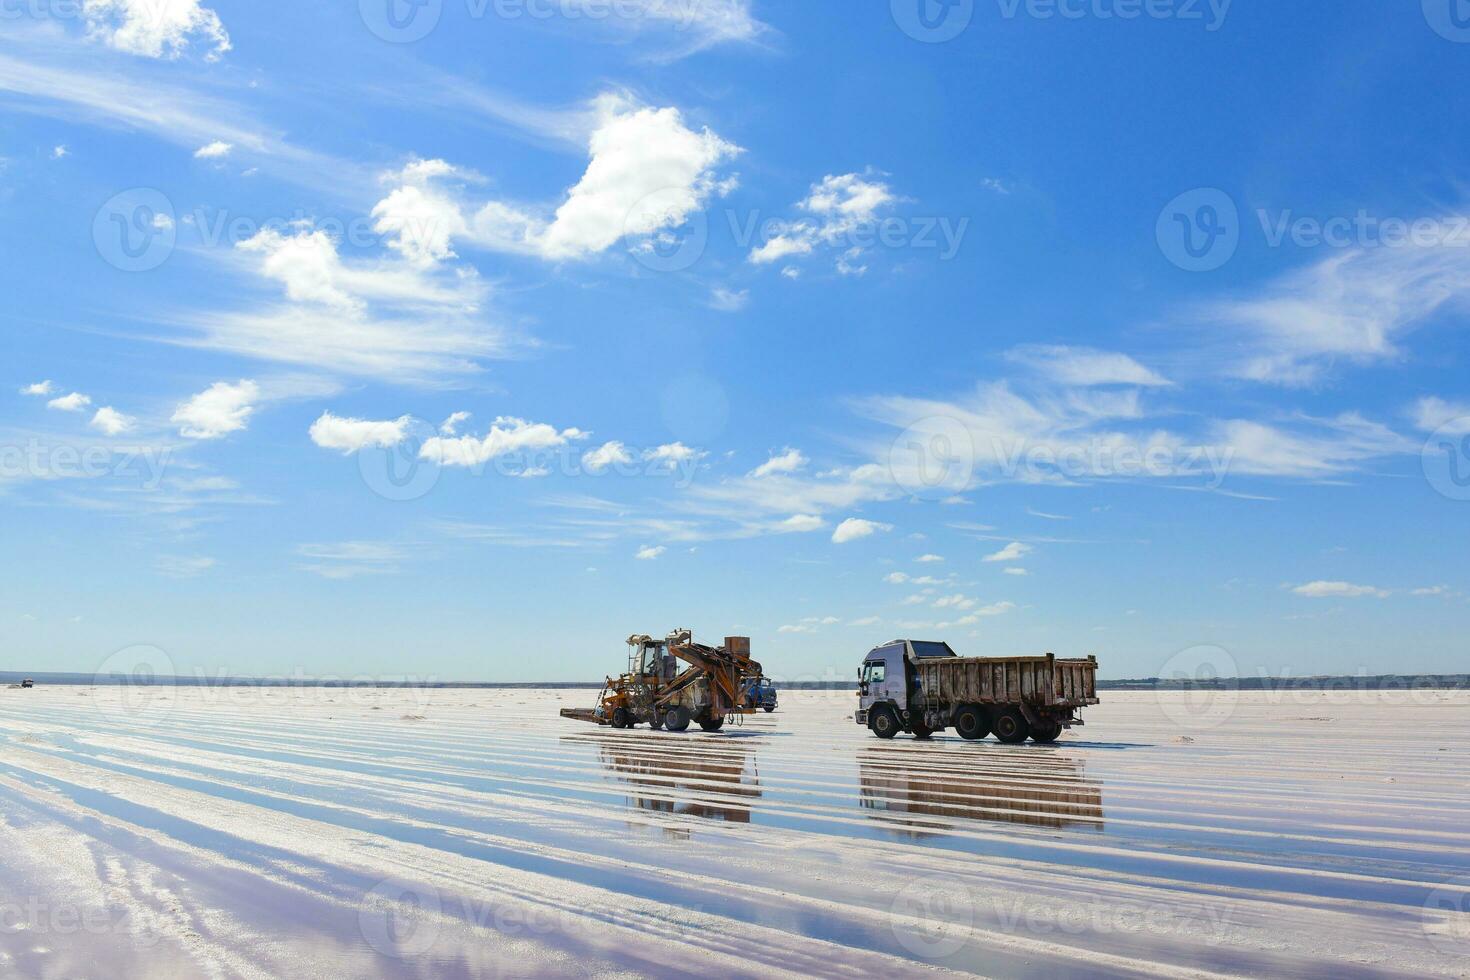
(656, 690)
(922, 687)
(27, 684)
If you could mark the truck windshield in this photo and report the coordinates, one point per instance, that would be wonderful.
(873, 673)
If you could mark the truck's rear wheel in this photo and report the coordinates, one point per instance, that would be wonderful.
(712, 724)
(1011, 726)
(884, 723)
(1047, 732)
(970, 722)
(677, 720)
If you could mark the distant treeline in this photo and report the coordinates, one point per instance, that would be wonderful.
(1379, 682)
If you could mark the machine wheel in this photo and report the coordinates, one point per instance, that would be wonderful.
(922, 732)
(1046, 733)
(769, 708)
(712, 724)
(656, 722)
(677, 720)
(1011, 726)
(970, 722)
(884, 722)
(622, 718)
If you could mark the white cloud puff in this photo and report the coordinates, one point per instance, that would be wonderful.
(220, 409)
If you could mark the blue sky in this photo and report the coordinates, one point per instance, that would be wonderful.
(463, 342)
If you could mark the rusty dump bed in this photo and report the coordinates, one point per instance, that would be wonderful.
(1043, 681)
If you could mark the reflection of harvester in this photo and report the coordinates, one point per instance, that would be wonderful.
(656, 692)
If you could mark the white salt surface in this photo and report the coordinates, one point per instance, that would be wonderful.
(268, 833)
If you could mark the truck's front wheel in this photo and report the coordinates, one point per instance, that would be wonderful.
(885, 723)
(1011, 727)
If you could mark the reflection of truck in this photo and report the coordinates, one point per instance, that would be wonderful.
(922, 687)
(657, 692)
(760, 693)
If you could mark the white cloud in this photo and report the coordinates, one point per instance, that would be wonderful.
(353, 435)
(214, 151)
(672, 454)
(450, 426)
(112, 422)
(1432, 590)
(381, 317)
(183, 566)
(1430, 414)
(608, 454)
(855, 527)
(1085, 367)
(802, 523)
(650, 552)
(1014, 570)
(647, 174)
(838, 205)
(929, 558)
(1351, 308)
(1338, 590)
(507, 435)
(866, 621)
(896, 578)
(155, 28)
(40, 389)
(60, 152)
(797, 628)
(787, 461)
(954, 602)
(350, 559)
(729, 300)
(1014, 551)
(220, 409)
(74, 402)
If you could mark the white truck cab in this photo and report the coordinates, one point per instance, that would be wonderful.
(887, 677)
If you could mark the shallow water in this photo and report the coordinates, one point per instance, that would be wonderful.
(241, 832)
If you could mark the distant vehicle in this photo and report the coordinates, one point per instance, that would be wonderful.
(760, 693)
(658, 692)
(922, 687)
(27, 683)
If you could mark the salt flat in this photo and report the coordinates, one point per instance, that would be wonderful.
(365, 833)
